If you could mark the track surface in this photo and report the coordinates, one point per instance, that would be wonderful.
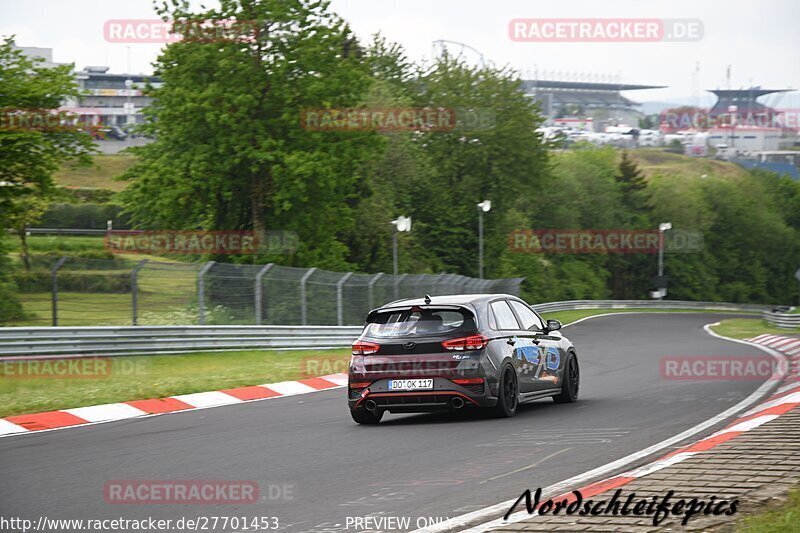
(409, 466)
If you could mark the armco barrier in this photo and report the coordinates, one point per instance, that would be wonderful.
(782, 320)
(137, 340)
(109, 340)
(647, 304)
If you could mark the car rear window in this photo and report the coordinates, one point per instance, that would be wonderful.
(418, 322)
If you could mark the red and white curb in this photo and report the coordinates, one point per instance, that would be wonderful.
(782, 400)
(21, 424)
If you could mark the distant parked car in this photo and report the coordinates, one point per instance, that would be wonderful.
(106, 133)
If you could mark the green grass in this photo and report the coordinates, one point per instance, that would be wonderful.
(745, 328)
(59, 243)
(656, 160)
(107, 309)
(783, 519)
(565, 317)
(157, 376)
(99, 176)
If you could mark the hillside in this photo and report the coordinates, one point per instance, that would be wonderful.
(99, 176)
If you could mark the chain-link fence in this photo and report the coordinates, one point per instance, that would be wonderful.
(66, 291)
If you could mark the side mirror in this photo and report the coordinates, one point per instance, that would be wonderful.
(553, 325)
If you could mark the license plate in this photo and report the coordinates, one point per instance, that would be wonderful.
(410, 384)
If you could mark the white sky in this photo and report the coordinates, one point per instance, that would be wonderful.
(761, 40)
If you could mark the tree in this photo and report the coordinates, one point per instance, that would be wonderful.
(230, 151)
(35, 139)
(24, 212)
(492, 152)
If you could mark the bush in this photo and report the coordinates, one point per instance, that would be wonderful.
(81, 195)
(83, 216)
(93, 282)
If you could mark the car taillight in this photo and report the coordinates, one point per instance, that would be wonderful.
(468, 381)
(359, 384)
(473, 342)
(365, 348)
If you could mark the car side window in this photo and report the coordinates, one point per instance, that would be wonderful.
(527, 316)
(505, 317)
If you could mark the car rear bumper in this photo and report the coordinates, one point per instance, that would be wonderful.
(446, 395)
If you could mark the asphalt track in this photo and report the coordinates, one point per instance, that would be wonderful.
(323, 468)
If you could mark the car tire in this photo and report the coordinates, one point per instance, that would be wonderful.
(507, 394)
(370, 418)
(572, 382)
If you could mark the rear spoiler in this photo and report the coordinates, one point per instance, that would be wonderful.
(454, 307)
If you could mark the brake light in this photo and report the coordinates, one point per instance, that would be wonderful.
(365, 348)
(359, 384)
(468, 381)
(473, 342)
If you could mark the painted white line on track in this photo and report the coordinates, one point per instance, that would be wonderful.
(659, 465)
(9, 428)
(289, 388)
(207, 399)
(789, 398)
(110, 411)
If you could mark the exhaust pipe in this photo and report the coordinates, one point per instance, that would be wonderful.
(370, 405)
(456, 402)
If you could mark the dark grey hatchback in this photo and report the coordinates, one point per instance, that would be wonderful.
(450, 352)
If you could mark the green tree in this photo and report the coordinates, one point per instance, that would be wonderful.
(492, 152)
(34, 142)
(230, 152)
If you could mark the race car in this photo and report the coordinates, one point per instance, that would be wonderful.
(488, 351)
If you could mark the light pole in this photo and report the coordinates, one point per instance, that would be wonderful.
(401, 223)
(664, 226)
(483, 207)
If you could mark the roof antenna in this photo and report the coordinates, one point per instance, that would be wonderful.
(427, 298)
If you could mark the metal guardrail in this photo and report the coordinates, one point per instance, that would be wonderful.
(138, 340)
(551, 307)
(782, 320)
(109, 340)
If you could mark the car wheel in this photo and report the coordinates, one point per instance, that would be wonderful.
(572, 382)
(507, 394)
(362, 416)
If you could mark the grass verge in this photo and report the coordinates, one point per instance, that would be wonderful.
(26, 387)
(784, 518)
(745, 328)
(565, 317)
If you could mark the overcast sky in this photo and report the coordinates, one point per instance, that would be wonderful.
(761, 40)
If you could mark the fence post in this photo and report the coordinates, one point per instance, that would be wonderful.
(54, 274)
(339, 311)
(371, 285)
(201, 304)
(260, 275)
(397, 281)
(303, 305)
(135, 290)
